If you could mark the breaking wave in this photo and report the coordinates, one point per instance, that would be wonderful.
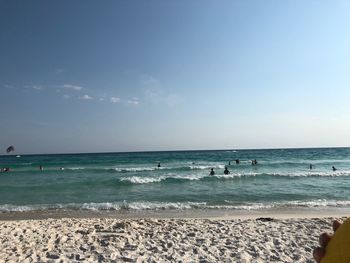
(138, 206)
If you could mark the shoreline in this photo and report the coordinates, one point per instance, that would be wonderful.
(215, 214)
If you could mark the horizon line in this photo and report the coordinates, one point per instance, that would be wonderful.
(186, 150)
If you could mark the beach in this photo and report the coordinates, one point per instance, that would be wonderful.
(122, 207)
(279, 238)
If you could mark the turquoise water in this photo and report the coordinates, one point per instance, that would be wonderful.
(132, 181)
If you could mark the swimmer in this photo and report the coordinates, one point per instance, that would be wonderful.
(311, 166)
(158, 165)
(237, 161)
(254, 162)
(226, 171)
(212, 172)
(334, 169)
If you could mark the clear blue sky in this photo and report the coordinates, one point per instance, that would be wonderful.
(95, 76)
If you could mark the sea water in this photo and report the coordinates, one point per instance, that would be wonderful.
(132, 181)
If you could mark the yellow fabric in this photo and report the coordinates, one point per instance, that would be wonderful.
(338, 248)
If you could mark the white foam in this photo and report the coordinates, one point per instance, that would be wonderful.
(312, 173)
(233, 175)
(191, 177)
(319, 203)
(135, 169)
(164, 205)
(146, 205)
(207, 167)
(143, 180)
(156, 179)
(14, 208)
(146, 180)
(76, 168)
(101, 206)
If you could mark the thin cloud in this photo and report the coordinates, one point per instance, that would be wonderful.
(115, 99)
(150, 81)
(134, 101)
(6, 86)
(72, 87)
(59, 71)
(155, 93)
(66, 96)
(37, 87)
(86, 97)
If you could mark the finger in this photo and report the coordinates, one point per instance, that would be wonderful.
(336, 225)
(319, 253)
(324, 239)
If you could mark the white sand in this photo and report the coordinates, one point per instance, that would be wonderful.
(160, 240)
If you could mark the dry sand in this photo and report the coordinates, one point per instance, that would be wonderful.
(161, 240)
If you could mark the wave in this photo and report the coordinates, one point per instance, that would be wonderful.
(26, 167)
(205, 167)
(146, 205)
(146, 180)
(197, 177)
(142, 180)
(312, 174)
(119, 180)
(183, 168)
(136, 169)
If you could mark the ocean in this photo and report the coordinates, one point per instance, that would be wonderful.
(282, 179)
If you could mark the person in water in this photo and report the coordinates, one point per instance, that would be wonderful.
(158, 165)
(311, 166)
(226, 171)
(212, 172)
(254, 162)
(333, 168)
(41, 168)
(237, 161)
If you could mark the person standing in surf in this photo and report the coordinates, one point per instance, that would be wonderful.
(226, 171)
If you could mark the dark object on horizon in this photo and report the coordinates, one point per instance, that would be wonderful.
(333, 168)
(11, 148)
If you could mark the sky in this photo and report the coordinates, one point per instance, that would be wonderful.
(111, 76)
